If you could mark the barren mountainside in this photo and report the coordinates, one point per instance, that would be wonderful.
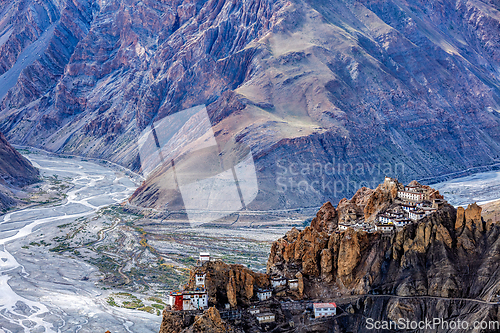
(377, 83)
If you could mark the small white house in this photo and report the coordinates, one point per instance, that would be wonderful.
(416, 215)
(194, 300)
(264, 294)
(254, 311)
(402, 222)
(408, 207)
(385, 219)
(343, 227)
(411, 196)
(277, 282)
(293, 284)
(324, 309)
(204, 257)
(200, 279)
(267, 317)
(384, 227)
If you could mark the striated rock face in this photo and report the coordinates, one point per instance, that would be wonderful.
(446, 254)
(363, 89)
(15, 171)
(379, 199)
(416, 309)
(37, 41)
(470, 227)
(210, 322)
(233, 284)
(367, 203)
(326, 219)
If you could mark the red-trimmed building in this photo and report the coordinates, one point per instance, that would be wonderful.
(175, 300)
(188, 300)
(324, 309)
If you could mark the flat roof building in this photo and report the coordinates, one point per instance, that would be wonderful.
(293, 284)
(200, 279)
(384, 227)
(411, 196)
(254, 311)
(267, 317)
(343, 227)
(188, 300)
(278, 281)
(402, 222)
(416, 215)
(264, 294)
(194, 300)
(204, 257)
(324, 309)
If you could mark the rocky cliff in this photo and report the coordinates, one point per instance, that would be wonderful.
(447, 263)
(15, 172)
(491, 211)
(233, 284)
(209, 322)
(363, 206)
(452, 253)
(362, 89)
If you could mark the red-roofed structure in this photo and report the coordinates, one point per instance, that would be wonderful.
(324, 309)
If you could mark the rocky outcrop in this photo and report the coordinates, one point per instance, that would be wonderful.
(470, 227)
(364, 205)
(368, 89)
(209, 321)
(379, 199)
(416, 309)
(233, 284)
(490, 213)
(446, 254)
(15, 172)
(301, 250)
(326, 219)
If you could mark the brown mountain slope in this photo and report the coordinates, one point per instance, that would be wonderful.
(15, 171)
(491, 211)
(14, 168)
(402, 89)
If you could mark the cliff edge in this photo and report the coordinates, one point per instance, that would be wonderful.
(15, 172)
